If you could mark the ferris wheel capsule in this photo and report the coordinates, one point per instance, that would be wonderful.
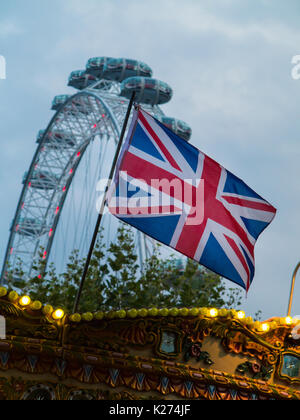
(41, 180)
(56, 139)
(95, 66)
(119, 69)
(80, 79)
(179, 127)
(30, 227)
(80, 105)
(148, 91)
(58, 101)
(40, 136)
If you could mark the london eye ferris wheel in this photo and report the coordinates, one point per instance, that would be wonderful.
(57, 207)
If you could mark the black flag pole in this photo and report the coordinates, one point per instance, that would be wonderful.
(114, 164)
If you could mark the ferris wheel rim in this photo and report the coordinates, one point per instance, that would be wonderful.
(85, 93)
(107, 95)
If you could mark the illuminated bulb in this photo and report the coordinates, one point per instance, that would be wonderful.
(288, 320)
(25, 301)
(265, 327)
(241, 315)
(58, 314)
(213, 312)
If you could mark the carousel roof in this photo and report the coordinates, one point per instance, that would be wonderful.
(187, 352)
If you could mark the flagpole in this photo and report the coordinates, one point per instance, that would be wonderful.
(114, 164)
(292, 289)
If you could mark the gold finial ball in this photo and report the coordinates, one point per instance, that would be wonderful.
(163, 312)
(88, 316)
(153, 312)
(48, 309)
(121, 314)
(174, 312)
(36, 306)
(13, 296)
(75, 318)
(132, 313)
(99, 315)
(194, 311)
(184, 312)
(142, 312)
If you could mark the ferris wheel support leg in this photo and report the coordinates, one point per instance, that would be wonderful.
(99, 220)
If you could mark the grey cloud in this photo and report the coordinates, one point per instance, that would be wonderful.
(230, 67)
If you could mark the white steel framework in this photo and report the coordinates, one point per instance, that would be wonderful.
(95, 112)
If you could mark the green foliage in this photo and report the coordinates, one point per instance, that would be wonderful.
(115, 281)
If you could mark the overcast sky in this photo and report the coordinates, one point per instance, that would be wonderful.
(229, 63)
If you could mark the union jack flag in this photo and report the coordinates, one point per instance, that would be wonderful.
(179, 196)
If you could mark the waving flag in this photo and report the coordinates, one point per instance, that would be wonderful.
(176, 194)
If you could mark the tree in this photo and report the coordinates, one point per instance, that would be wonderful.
(115, 280)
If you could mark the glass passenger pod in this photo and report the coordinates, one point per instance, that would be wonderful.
(148, 91)
(42, 180)
(81, 105)
(179, 264)
(40, 136)
(179, 127)
(80, 79)
(56, 139)
(58, 101)
(95, 66)
(119, 69)
(30, 227)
